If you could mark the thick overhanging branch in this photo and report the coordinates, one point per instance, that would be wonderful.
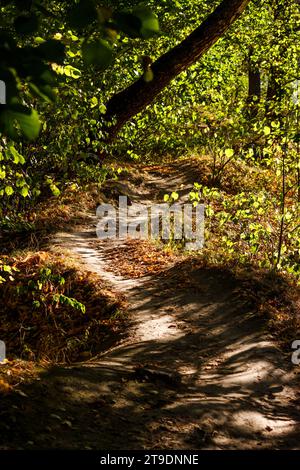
(133, 99)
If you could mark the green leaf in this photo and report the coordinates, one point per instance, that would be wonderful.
(8, 190)
(94, 102)
(128, 23)
(102, 109)
(97, 53)
(267, 130)
(45, 92)
(36, 192)
(24, 191)
(229, 153)
(7, 269)
(54, 189)
(18, 158)
(12, 117)
(149, 22)
(148, 75)
(140, 22)
(20, 182)
(39, 40)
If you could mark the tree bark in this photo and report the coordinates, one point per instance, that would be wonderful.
(254, 91)
(274, 96)
(254, 86)
(133, 99)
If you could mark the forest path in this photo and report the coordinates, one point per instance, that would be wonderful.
(196, 371)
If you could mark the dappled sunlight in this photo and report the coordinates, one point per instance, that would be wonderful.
(149, 225)
(159, 328)
(228, 386)
(245, 421)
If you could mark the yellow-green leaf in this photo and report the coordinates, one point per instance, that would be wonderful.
(8, 190)
(229, 153)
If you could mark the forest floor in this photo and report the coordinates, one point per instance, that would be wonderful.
(197, 368)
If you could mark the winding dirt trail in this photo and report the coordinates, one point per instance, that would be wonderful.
(196, 371)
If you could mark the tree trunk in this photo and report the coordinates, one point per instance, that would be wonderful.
(254, 92)
(254, 77)
(254, 86)
(274, 95)
(130, 101)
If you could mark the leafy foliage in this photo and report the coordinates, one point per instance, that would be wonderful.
(236, 111)
(52, 311)
(30, 68)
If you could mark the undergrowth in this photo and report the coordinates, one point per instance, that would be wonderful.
(244, 225)
(51, 310)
